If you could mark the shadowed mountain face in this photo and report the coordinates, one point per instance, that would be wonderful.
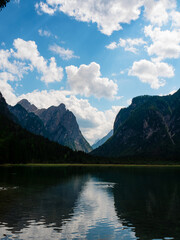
(29, 121)
(56, 123)
(17, 145)
(149, 127)
(4, 109)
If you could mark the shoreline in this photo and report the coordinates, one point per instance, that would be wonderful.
(87, 165)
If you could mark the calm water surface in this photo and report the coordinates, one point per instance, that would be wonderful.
(89, 203)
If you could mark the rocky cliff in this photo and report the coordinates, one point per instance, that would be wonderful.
(149, 127)
(17, 145)
(60, 125)
(29, 120)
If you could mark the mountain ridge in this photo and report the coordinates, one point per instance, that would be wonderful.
(60, 125)
(149, 127)
(17, 145)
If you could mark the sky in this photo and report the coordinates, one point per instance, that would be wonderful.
(93, 56)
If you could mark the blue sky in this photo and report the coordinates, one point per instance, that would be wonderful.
(94, 56)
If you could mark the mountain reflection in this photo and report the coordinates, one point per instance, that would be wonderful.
(91, 216)
(90, 203)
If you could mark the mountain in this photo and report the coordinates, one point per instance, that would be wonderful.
(4, 109)
(28, 106)
(148, 128)
(103, 140)
(17, 145)
(29, 121)
(60, 124)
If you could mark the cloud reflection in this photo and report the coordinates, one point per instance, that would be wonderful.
(94, 211)
(93, 217)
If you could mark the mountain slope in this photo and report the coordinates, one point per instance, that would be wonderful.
(29, 121)
(149, 127)
(61, 125)
(20, 146)
(103, 140)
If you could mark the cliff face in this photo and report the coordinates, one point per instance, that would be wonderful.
(17, 145)
(60, 125)
(29, 121)
(150, 126)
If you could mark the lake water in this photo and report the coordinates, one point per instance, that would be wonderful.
(90, 203)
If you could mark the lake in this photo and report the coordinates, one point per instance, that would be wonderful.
(79, 202)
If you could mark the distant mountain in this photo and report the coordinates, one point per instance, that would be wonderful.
(18, 145)
(60, 125)
(103, 140)
(148, 128)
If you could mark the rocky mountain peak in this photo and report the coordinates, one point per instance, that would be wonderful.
(59, 123)
(27, 105)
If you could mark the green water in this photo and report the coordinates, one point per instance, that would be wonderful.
(89, 203)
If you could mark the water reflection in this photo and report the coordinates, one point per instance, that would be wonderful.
(95, 216)
(89, 203)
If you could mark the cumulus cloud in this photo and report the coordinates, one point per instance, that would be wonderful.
(93, 123)
(27, 50)
(165, 44)
(15, 64)
(175, 15)
(108, 15)
(157, 12)
(12, 66)
(5, 87)
(86, 80)
(65, 54)
(152, 72)
(128, 44)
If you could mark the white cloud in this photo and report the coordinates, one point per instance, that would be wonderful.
(86, 80)
(65, 54)
(15, 67)
(128, 44)
(43, 7)
(12, 69)
(5, 87)
(152, 72)
(129, 101)
(157, 12)
(44, 33)
(166, 44)
(27, 50)
(175, 15)
(112, 46)
(107, 14)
